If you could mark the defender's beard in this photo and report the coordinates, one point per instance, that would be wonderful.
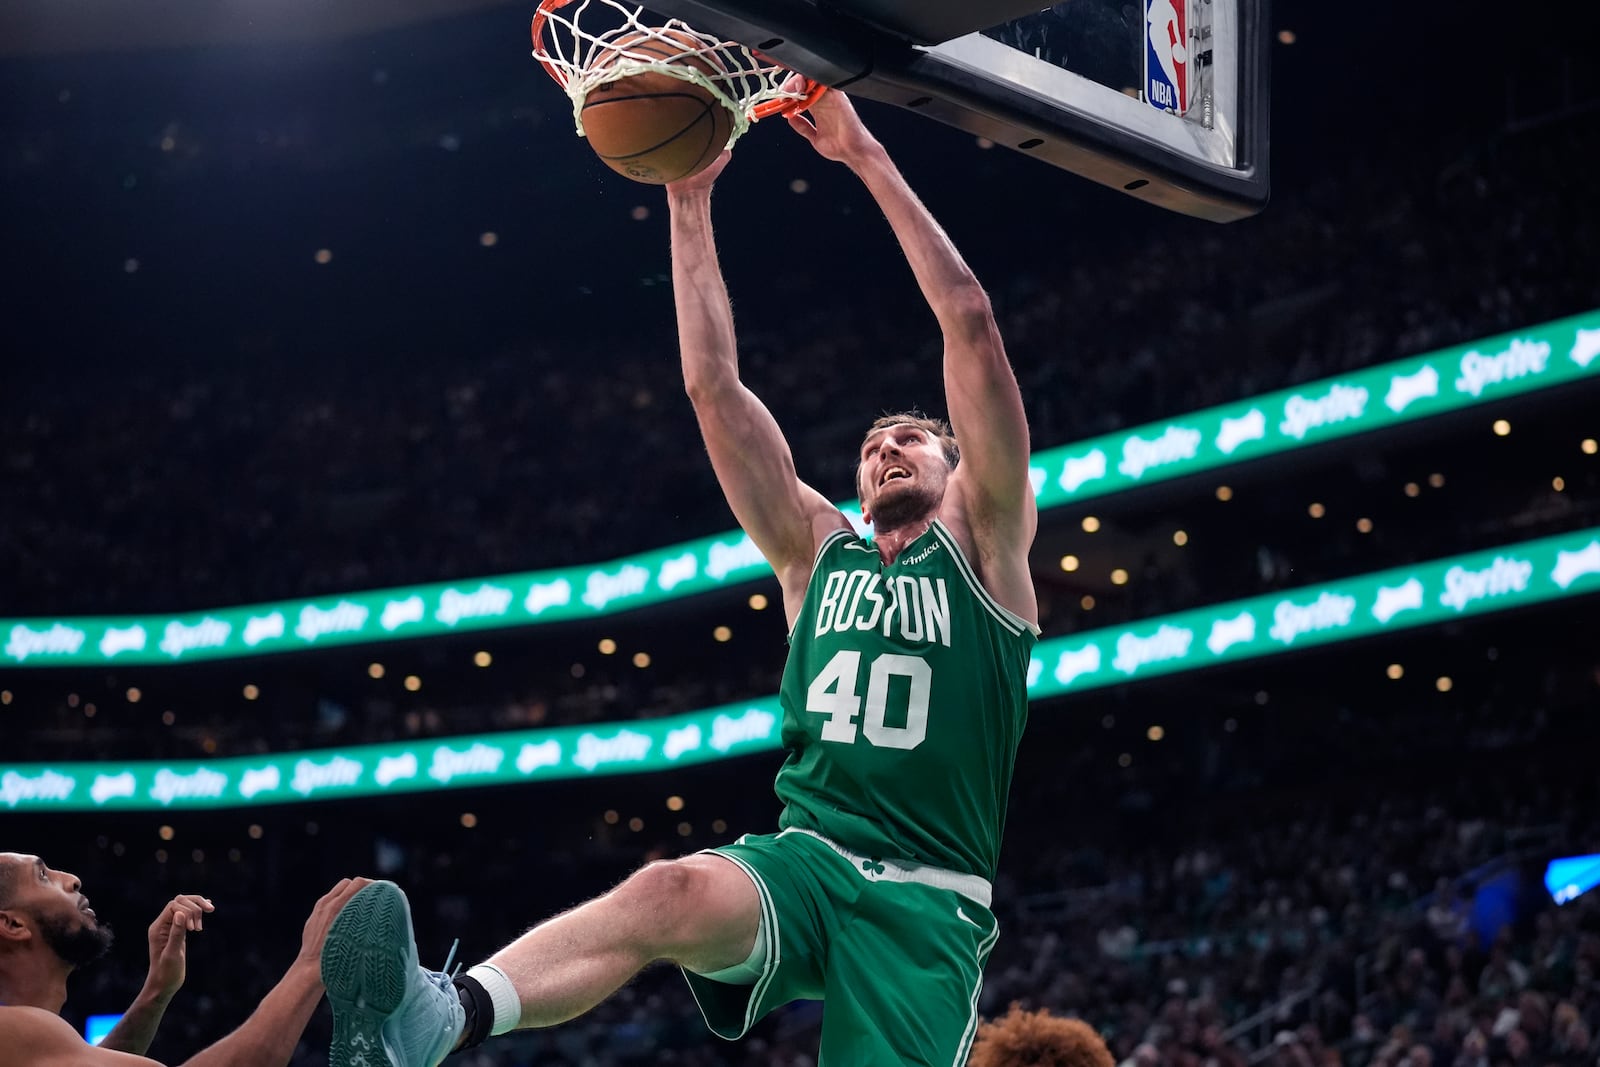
(76, 945)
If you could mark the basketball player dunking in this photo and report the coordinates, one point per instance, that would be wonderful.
(904, 699)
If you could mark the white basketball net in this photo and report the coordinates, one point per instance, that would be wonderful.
(581, 58)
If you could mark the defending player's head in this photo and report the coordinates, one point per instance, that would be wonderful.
(904, 467)
(44, 911)
(1038, 1039)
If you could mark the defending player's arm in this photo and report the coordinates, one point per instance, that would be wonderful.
(137, 1027)
(783, 516)
(268, 1038)
(34, 1037)
(38, 1038)
(168, 937)
(981, 390)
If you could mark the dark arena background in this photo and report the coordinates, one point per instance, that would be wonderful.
(294, 319)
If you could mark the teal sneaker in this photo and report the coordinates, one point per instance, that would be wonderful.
(388, 1011)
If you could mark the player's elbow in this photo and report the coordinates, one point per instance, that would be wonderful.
(970, 299)
(968, 310)
(706, 391)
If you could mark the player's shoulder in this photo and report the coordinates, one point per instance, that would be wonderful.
(828, 536)
(959, 525)
(33, 1037)
(829, 528)
(38, 1035)
(823, 521)
(986, 533)
(994, 555)
(16, 1017)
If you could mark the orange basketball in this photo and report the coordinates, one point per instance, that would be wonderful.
(652, 127)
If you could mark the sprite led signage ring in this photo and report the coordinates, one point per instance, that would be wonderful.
(1553, 354)
(1474, 584)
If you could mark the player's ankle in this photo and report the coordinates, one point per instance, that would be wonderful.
(490, 1002)
(479, 1009)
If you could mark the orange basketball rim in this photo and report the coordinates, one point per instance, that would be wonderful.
(581, 57)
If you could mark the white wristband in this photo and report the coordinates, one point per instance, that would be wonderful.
(507, 1005)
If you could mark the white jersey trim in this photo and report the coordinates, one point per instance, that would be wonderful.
(769, 924)
(971, 1032)
(1009, 619)
(827, 543)
(971, 886)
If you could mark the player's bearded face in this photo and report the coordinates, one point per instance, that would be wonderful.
(74, 937)
(903, 485)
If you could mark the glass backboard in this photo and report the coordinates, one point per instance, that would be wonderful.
(1164, 99)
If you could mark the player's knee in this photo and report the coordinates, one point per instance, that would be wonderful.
(685, 901)
(663, 882)
(668, 889)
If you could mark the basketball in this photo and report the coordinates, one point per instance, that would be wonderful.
(652, 127)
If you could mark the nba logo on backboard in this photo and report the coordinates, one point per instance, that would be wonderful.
(1166, 55)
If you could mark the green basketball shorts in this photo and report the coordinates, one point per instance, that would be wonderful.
(894, 950)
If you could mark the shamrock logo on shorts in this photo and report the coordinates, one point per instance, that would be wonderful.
(872, 866)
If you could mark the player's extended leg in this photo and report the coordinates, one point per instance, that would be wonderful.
(700, 911)
(909, 970)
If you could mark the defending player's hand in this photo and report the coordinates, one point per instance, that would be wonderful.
(833, 127)
(322, 915)
(169, 941)
(701, 183)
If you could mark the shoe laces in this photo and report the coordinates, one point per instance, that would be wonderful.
(443, 978)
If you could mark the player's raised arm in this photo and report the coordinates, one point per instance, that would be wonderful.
(34, 1037)
(980, 389)
(783, 516)
(168, 937)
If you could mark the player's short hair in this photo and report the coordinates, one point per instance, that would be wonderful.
(11, 875)
(936, 428)
(1038, 1039)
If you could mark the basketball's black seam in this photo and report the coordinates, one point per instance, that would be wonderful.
(683, 132)
(710, 140)
(685, 128)
(706, 114)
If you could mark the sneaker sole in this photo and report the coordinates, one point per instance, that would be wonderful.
(365, 963)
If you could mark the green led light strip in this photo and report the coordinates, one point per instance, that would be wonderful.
(1450, 379)
(1544, 356)
(1472, 584)
(1475, 584)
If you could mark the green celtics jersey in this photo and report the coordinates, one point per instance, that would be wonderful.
(904, 700)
